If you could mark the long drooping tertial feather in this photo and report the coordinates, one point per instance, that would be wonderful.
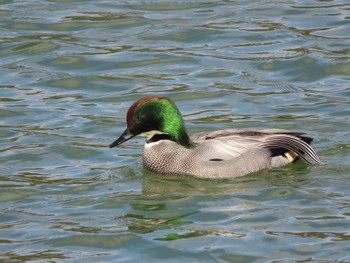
(294, 144)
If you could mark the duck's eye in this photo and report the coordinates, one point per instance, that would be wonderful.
(140, 117)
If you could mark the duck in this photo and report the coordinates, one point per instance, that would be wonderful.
(220, 154)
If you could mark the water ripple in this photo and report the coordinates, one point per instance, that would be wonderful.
(69, 72)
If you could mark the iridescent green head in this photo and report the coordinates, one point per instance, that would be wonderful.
(156, 118)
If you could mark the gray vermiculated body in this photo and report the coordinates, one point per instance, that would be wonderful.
(220, 154)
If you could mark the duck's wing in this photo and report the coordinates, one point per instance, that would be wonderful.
(222, 134)
(228, 144)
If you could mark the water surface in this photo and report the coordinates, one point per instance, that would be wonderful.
(70, 70)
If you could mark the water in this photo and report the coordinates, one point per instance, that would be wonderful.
(70, 70)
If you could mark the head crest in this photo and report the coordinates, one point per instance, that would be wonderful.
(130, 114)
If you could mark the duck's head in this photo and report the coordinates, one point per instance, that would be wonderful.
(156, 118)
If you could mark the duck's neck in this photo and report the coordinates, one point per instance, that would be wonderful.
(173, 124)
(176, 132)
(184, 140)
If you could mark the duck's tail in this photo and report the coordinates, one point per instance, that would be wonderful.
(292, 146)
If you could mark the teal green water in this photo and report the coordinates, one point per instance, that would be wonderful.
(70, 70)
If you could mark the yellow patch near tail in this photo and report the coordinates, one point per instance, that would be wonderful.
(291, 156)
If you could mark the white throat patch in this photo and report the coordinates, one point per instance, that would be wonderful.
(150, 134)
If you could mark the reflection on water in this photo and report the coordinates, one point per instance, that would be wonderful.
(70, 70)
